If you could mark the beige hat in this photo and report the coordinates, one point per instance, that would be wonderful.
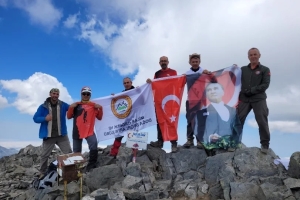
(54, 90)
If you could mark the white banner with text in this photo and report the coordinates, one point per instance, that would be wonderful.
(130, 110)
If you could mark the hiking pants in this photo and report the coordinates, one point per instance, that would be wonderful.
(48, 145)
(261, 113)
(189, 128)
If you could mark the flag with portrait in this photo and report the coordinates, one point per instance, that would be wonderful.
(213, 99)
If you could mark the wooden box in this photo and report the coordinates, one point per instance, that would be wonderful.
(69, 165)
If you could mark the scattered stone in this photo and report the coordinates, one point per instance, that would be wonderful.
(188, 174)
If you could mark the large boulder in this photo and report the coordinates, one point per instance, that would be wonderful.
(103, 177)
(294, 165)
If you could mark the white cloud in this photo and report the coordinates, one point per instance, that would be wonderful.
(71, 21)
(284, 102)
(97, 32)
(222, 31)
(281, 126)
(33, 91)
(41, 12)
(3, 3)
(117, 11)
(3, 102)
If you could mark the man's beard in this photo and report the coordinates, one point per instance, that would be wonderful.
(164, 66)
(54, 100)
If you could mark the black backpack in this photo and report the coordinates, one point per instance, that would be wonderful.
(48, 180)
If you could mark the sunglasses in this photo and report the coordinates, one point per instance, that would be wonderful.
(126, 82)
(86, 94)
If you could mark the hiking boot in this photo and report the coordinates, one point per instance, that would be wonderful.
(264, 149)
(200, 145)
(158, 144)
(174, 148)
(93, 157)
(189, 143)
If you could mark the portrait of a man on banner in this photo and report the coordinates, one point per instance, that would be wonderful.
(213, 109)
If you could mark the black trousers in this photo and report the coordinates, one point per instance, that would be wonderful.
(189, 128)
(261, 113)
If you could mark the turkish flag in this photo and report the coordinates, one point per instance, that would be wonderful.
(167, 94)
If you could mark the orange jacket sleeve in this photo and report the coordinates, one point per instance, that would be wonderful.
(99, 113)
(70, 113)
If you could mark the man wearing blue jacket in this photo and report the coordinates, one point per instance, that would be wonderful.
(53, 130)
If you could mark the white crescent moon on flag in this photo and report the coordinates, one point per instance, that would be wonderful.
(169, 98)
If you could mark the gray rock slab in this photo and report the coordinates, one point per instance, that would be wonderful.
(132, 194)
(144, 162)
(162, 185)
(179, 188)
(292, 183)
(219, 167)
(191, 191)
(100, 194)
(188, 159)
(294, 165)
(251, 162)
(152, 195)
(133, 169)
(270, 191)
(132, 182)
(89, 198)
(103, 177)
(241, 191)
(115, 195)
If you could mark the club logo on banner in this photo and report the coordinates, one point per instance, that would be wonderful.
(212, 107)
(121, 106)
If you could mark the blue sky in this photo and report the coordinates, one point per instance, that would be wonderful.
(70, 44)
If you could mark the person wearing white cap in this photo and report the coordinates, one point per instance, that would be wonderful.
(84, 114)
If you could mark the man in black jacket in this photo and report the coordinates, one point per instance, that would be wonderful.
(255, 82)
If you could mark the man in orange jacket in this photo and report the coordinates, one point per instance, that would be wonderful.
(84, 114)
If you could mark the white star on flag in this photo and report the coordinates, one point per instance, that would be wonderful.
(173, 118)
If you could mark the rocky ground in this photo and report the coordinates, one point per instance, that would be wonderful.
(187, 174)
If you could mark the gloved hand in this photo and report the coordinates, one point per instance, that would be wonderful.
(248, 93)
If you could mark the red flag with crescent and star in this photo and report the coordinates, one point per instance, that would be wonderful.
(167, 94)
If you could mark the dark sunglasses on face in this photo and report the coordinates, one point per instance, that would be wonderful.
(126, 82)
(86, 94)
